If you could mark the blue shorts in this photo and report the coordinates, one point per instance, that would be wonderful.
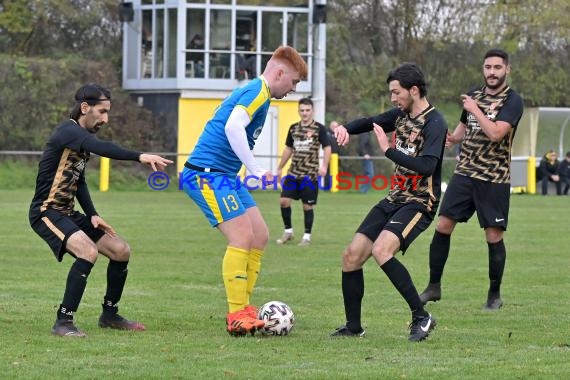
(220, 196)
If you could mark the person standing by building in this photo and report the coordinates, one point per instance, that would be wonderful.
(210, 179)
(481, 181)
(61, 180)
(398, 219)
(302, 181)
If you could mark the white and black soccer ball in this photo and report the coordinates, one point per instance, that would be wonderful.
(278, 317)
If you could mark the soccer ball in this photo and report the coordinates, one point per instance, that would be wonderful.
(278, 317)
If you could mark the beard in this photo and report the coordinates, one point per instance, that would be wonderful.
(499, 84)
(407, 106)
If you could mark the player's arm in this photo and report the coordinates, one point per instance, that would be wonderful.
(326, 145)
(287, 152)
(326, 159)
(84, 197)
(426, 163)
(237, 137)
(456, 136)
(116, 152)
(285, 156)
(386, 120)
(494, 130)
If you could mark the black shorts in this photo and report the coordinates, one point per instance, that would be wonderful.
(303, 188)
(406, 221)
(465, 195)
(55, 228)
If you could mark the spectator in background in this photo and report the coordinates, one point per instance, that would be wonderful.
(365, 150)
(197, 58)
(564, 173)
(548, 172)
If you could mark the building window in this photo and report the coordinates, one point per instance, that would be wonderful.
(220, 44)
(219, 39)
(196, 48)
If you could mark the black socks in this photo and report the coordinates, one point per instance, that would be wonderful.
(438, 253)
(402, 281)
(353, 292)
(116, 277)
(286, 215)
(497, 259)
(75, 286)
(309, 218)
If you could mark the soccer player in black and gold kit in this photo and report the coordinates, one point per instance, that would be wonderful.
(481, 182)
(303, 142)
(410, 206)
(61, 180)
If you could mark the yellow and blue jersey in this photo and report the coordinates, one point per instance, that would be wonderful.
(213, 149)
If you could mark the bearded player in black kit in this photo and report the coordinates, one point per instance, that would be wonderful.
(481, 182)
(61, 180)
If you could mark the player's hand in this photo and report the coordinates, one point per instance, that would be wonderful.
(278, 174)
(155, 162)
(469, 104)
(383, 142)
(269, 177)
(322, 171)
(98, 222)
(341, 135)
(449, 140)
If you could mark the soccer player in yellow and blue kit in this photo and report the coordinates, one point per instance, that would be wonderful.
(210, 179)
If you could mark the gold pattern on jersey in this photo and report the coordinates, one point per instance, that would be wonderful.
(481, 158)
(305, 161)
(410, 141)
(65, 182)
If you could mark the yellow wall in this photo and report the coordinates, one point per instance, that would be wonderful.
(192, 117)
(194, 113)
(288, 115)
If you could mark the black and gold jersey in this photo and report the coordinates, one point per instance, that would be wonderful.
(305, 141)
(416, 137)
(423, 135)
(61, 168)
(61, 171)
(480, 157)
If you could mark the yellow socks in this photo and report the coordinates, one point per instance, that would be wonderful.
(253, 267)
(235, 270)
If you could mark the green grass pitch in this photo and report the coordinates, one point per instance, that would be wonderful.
(175, 288)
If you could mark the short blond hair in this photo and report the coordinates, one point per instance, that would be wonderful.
(291, 56)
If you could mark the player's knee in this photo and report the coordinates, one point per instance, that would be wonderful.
(89, 253)
(351, 259)
(445, 225)
(381, 254)
(261, 237)
(246, 239)
(121, 251)
(284, 202)
(493, 235)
